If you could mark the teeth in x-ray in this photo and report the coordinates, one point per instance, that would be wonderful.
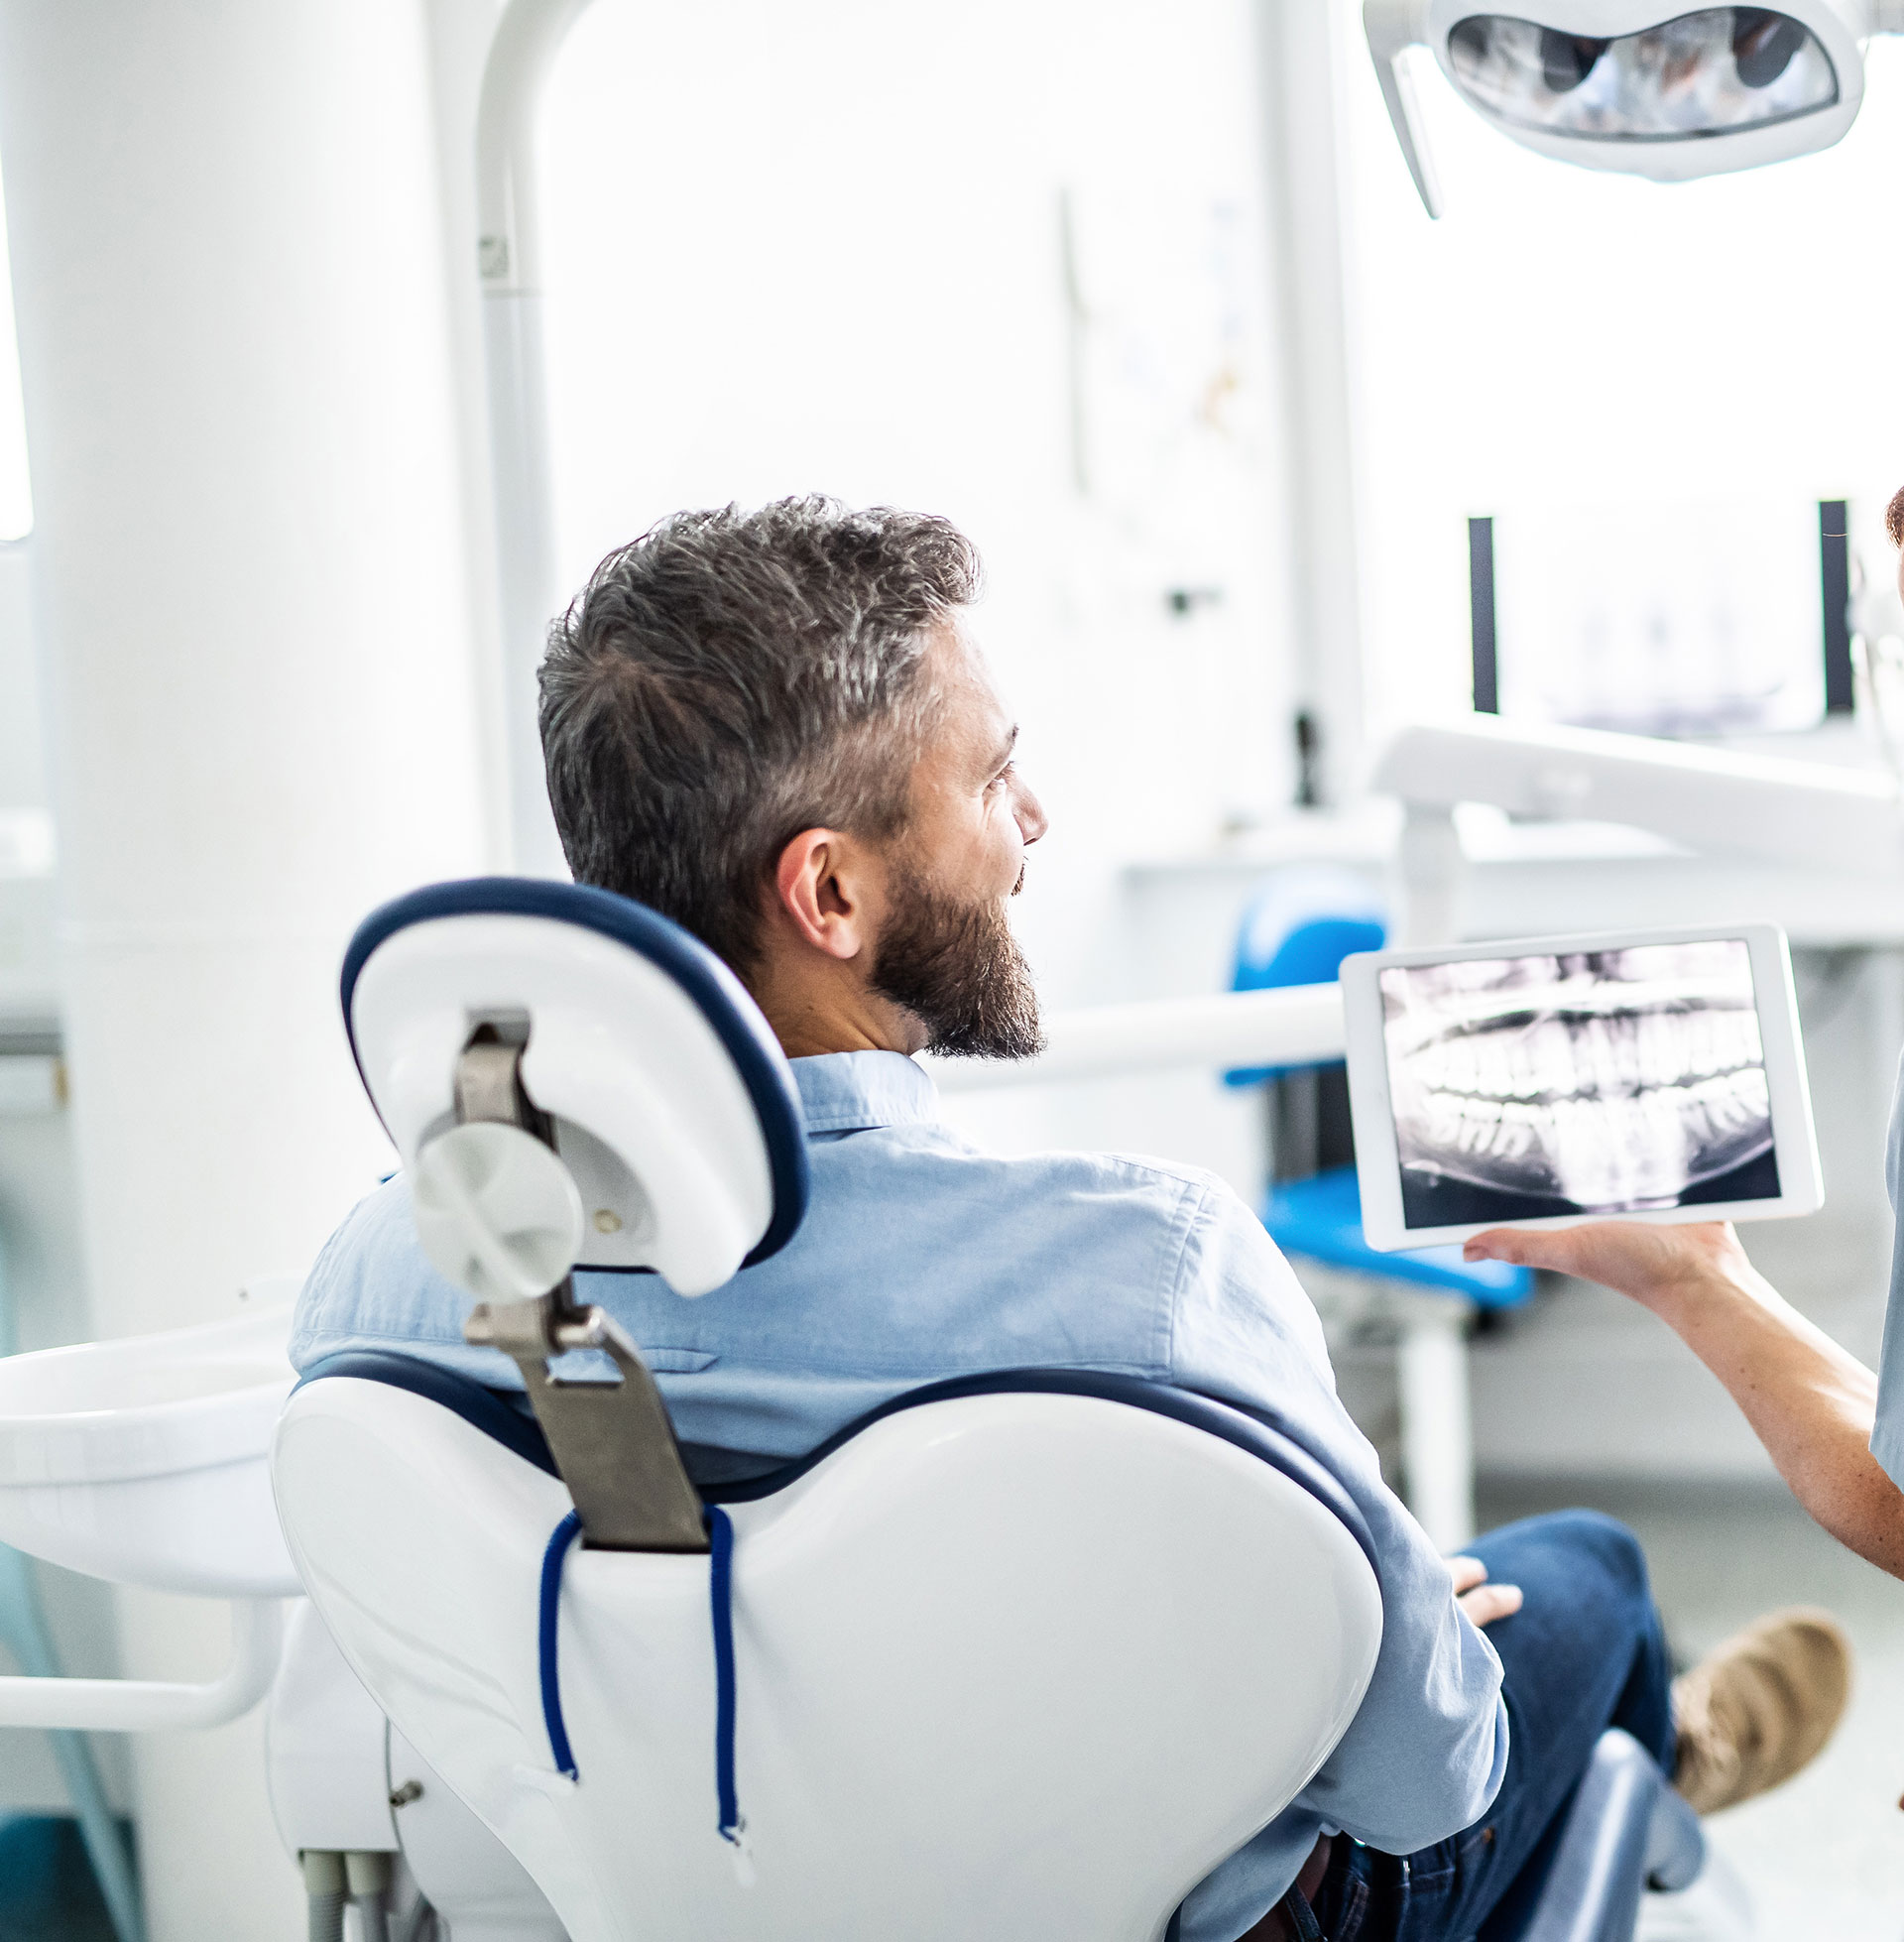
(1606, 1093)
(1554, 1058)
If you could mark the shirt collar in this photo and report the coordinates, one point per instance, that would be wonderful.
(848, 1092)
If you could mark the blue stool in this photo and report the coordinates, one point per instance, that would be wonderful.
(23, 1633)
(1320, 1218)
(1296, 931)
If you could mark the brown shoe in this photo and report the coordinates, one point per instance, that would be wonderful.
(1761, 1708)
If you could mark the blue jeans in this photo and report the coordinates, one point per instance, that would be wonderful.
(1584, 1652)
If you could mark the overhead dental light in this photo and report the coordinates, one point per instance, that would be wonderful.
(1621, 85)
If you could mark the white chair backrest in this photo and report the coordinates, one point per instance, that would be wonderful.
(1009, 1664)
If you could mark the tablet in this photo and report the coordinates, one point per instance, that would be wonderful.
(1654, 1075)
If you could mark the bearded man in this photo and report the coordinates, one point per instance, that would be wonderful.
(777, 728)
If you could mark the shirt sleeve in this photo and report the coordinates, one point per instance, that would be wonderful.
(1425, 1754)
(1887, 1433)
(372, 1287)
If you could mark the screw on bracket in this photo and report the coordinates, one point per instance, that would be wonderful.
(408, 1792)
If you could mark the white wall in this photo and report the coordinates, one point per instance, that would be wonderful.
(825, 248)
(254, 607)
(23, 769)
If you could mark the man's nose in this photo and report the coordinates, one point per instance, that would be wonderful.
(1032, 822)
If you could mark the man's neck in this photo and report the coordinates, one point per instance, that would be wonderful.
(812, 1017)
(811, 1038)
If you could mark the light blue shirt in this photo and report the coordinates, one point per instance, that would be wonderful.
(1887, 1435)
(922, 1258)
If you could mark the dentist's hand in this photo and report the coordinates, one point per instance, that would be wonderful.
(1652, 1265)
(1812, 1403)
(1483, 1603)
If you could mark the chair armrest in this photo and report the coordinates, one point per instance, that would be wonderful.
(1624, 1828)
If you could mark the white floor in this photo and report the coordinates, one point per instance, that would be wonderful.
(1823, 1857)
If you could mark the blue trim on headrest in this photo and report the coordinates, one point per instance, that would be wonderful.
(1272, 1441)
(722, 998)
(482, 1409)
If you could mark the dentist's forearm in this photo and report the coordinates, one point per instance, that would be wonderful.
(1810, 1401)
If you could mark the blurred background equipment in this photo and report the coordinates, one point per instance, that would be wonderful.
(1663, 617)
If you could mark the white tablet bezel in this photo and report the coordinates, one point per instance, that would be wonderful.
(1378, 1168)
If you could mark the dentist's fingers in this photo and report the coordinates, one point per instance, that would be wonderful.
(1486, 1603)
(1466, 1572)
(1638, 1259)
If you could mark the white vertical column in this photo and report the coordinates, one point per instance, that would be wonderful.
(1436, 1415)
(1429, 878)
(1297, 97)
(528, 39)
(228, 272)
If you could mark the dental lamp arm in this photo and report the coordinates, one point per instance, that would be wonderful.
(1810, 1402)
(1392, 28)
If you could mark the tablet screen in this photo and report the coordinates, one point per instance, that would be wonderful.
(1587, 1082)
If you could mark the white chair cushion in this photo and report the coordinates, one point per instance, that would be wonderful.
(1007, 1665)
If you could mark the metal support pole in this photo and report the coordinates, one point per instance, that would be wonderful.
(508, 260)
(1437, 1428)
(1431, 872)
(1298, 102)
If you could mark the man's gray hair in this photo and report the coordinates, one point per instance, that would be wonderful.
(732, 678)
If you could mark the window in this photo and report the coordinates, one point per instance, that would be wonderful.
(1593, 361)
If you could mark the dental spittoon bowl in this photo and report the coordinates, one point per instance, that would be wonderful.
(145, 1461)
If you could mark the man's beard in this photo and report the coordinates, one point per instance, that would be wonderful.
(957, 968)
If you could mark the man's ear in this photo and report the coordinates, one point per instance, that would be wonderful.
(821, 886)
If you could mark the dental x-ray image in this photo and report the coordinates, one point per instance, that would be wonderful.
(1587, 1082)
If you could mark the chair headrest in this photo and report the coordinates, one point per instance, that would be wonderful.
(674, 1111)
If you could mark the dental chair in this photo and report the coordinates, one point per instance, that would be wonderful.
(1019, 1656)
(1014, 1657)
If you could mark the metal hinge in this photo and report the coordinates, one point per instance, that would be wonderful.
(611, 1439)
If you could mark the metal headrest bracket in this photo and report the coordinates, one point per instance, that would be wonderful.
(612, 1442)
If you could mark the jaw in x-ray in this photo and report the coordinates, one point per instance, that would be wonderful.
(1615, 1080)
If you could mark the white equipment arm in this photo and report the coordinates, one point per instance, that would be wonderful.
(1297, 1026)
(150, 1704)
(1838, 822)
(1710, 799)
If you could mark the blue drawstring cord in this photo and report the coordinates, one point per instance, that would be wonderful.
(720, 1590)
(719, 1585)
(560, 1538)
